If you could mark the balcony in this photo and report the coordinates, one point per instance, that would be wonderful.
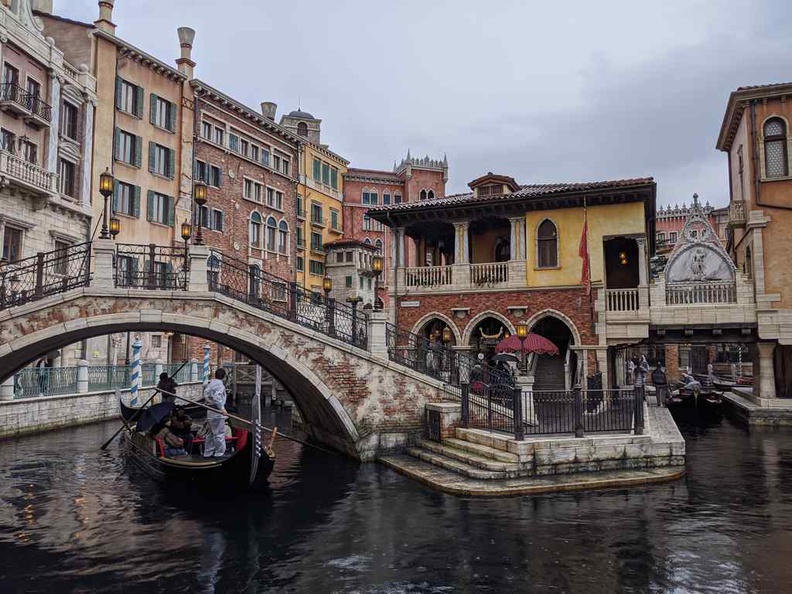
(318, 222)
(428, 277)
(32, 108)
(481, 277)
(711, 292)
(491, 274)
(737, 213)
(622, 299)
(28, 176)
(40, 112)
(317, 249)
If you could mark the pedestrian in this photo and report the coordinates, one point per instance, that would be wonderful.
(641, 370)
(43, 367)
(631, 370)
(167, 385)
(215, 396)
(660, 382)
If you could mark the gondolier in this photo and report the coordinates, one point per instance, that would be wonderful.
(215, 396)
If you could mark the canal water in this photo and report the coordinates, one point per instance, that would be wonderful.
(72, 519)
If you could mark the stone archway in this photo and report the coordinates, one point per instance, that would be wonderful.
(538, 316)
(471, 326)
(420, 325)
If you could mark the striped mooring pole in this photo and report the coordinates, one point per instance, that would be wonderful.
(135, 373)
(205, 376)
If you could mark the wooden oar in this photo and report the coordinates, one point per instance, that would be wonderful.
(138, 412)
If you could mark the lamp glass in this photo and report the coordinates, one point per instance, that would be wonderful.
(447, 334)
(327, 284)
(106, 182)
(199, 193)
(115, 226)
(377, 264)
(522, 331)
(186, 230)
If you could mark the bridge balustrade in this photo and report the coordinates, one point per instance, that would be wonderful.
(151, 267)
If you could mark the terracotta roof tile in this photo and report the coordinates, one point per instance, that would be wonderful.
(767, 86)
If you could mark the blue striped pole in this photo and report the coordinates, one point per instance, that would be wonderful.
(135, 373)
(205, 376)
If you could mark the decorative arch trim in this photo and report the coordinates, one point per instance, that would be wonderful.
(554, 313)
(476, 319)
(437, 316)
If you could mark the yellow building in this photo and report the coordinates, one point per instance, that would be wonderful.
(319, 198)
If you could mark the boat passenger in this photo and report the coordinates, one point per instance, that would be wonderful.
(174, 445)
(181, 426)
(215, 396)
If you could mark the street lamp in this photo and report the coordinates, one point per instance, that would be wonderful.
(522, 334)
(115, 226)
(447, 335)
(199, 197)
(186, 232)
(106, 183)
(327, 286)
(376, 265)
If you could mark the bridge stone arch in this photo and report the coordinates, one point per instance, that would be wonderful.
(348, 398)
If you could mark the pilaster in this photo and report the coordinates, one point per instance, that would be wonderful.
(87, 154)
(54, 129)
(766, 371)
(517, 244)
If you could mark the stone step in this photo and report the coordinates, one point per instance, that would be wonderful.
(481, 450)
(485, 463)
(456, 466)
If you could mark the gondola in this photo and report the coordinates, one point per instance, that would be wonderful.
(725, 385)
(241, 468)
(705, 399)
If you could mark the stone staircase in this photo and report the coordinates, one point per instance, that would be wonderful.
(549, 375)
(468, 458)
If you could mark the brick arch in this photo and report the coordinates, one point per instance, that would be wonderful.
(554, 313)
(436, 315)
(336, 387)
(476, 319)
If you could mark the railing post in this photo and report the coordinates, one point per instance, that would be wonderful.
(82, 376)
(638, 399)
(151, 282)
(330, 318)
(578, 411)
(354, 322)
(377, 334)
(465, 405)
(104, 256)
(519, 425)
(39, 274)
(198, 280)
(293, 296)
(7, 389)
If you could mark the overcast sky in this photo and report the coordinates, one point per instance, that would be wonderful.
(541, 91)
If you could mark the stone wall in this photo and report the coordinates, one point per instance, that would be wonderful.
(34, 415)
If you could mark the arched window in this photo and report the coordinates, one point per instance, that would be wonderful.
(255, 281)
(397, 199)
(775, 141)
(547, 245)
(378, 245)
(386, 198)
(430, 195)
(367, 241)
(272, 226)
(302, 129)
(422, 195)
(283, 237)
(255, 229)
(213, 276)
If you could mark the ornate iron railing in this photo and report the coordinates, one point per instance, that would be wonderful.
(152, 267)
(248, 283)
(47, 381)
(45, 274)
(107, 377)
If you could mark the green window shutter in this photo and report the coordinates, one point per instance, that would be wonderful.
(138, 151)
(150, 206)
(153, 108)
(152, 161)
(172, 111)
(116, 186)
(118, 92)
(171, 211)
(116, 142)
(137, 202)
(317, 169)
(171, 163)
(140, 99)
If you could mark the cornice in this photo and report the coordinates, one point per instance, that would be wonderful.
(138, 55)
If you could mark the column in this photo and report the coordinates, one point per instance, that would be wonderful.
(517, 240)
(7, 389)
(461, 249)
(87, 158)
(194, 375)
(398, 248)
(602, 363)
(766, 371)
(82, 376)
(54, 130)
(642, 261)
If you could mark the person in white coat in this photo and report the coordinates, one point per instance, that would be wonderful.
(215, 396)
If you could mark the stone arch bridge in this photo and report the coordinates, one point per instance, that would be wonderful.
(333, 358)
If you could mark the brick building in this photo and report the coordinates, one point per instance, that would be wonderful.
(412, 180)
(671, 220)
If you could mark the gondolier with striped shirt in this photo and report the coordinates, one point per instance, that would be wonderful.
(215, 396)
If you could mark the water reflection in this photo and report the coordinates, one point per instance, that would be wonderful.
(73, 519)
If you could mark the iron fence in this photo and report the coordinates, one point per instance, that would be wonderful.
(248, 283)
(107, 377)
(47, 381)
(45, 274)
(153, 267)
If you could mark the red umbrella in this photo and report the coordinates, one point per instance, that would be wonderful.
(509, 345)
(533, 343)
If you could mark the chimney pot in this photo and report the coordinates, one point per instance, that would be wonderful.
(105, 21)
(185, 63)
(268, 109)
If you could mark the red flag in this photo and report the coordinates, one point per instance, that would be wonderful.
(585, 279)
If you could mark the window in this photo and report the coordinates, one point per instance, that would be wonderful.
(661, 237)
(203, 216)
(159, 208)
(370, 197)
(206, 130)
(244, 147)
(350, 256)
(161, 160)
(694, 233)
(253, 191)
(362, 280)
(300, 207)
(300, 264)
(272, 226)
(334, 178)
(10, 75)
(33, 88)
(326, 174)
(397, 199)
(378, 245)
(386, 198)
(373, 197)
(316, 267)
(156, 341)
(265, 156)
(274, 199)
(69, 117)
(317, 169)
(233, 142)
(300, 240)
(125, 270)
(547, 244)
(348, 282)
(281, 163)
(12, 244)
(422, 195)
(255, 229)
(672, 237)
(276, 162)
(126, 199)
(29, 152)
(283, 237)
(302, 129)
(163, 113)
(776, 164)
(8, 140)
(216, 221)
(62, 263)
(215, 176)
(129, 98)
(334, 220)
(67, 182)
(366, 223)
(430, 195)
(748, 268)
(317, 216)
(254, 152)
(219, 136)
(316, 242)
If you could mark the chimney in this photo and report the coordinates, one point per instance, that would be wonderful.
(105, 21)
(42, 6)
(268, 109)
(185, 64)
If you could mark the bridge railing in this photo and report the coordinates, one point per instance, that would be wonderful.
(248, 283)
(45, 274)
(151, 267)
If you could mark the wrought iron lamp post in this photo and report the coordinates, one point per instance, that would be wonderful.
(522, 334)
(199, 197)
(327, 286)
(106, 183)
(377, 265)
(448, 362)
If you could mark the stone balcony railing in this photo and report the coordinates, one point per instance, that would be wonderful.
(622, 299)
(27, 175)
(710, 292)
(428, 277)
(483, 276)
